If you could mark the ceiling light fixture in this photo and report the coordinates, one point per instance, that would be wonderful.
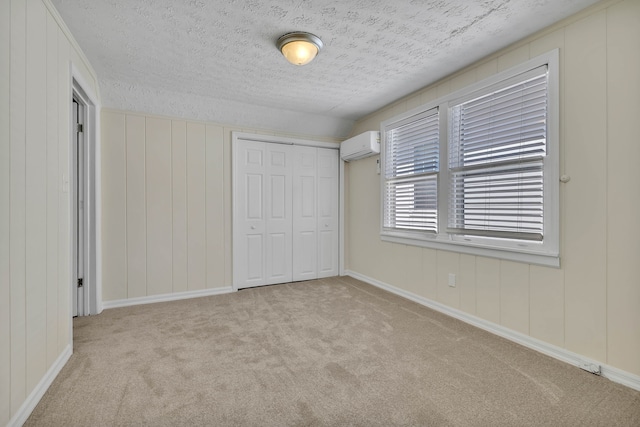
(299, 47)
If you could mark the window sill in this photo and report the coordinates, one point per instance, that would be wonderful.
(547, 260)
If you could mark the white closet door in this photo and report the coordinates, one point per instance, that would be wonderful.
(278, 214)
(285, 214)
(305, 217)
(262, 215)
(249, 222)
(328, 221)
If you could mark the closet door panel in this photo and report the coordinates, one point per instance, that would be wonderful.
(278, 214)
(305, 219)
(254, 265)
(328, 220)
(249, 221)
(254, 228)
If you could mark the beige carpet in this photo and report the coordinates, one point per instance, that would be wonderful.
(330, 352)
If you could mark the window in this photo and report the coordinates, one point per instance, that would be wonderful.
(498, 194)
(497, 144)
(411, 174)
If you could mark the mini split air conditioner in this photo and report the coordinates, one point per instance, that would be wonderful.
(364, 145)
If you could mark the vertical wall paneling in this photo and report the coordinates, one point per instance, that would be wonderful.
(228, 261)
(52, 190)
(164, 213)
(392, 270)
(136, 207)
(364, 226)
(623, 245)
(488, 289)
(513, 57)
(463, 80)
(426, 96)
(179, 203)
(36, 193)
(196, 207)
(514, 296)
(5, 213)
(365, 252)
(352, 222)
(584, 256)
(546, 302)
(429, 288)
(35, 321)
(114, 206)
(214, 154)
(64, 251)
(18, 201)
(413, 102)
(346, 218)
(158, 206)
(486, 69)
(114, 190)
(547, 43)
(466, 281)
(443, 88)
(411, 278)
(546, 285)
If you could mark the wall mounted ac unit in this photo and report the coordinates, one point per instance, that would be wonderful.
(364, 145)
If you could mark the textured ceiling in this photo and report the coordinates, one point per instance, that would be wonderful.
(216, 60)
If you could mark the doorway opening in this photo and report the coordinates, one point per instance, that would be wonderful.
(84, 283)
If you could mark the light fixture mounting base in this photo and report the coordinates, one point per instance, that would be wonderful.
(299, 36)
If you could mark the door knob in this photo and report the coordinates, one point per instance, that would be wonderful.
(253, 227)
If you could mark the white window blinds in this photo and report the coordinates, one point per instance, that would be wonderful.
(497, 147)
(411, 168)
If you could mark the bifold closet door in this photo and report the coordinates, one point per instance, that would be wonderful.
(305, 215)
(285, 223)
(315, 212)
(328, 212)
(262, 225)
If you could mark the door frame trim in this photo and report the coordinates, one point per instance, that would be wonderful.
(81, 90)
(246, 136)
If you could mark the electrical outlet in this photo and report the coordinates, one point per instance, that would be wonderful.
(452, 280)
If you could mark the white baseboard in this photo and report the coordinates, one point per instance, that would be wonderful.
(166, 297)
(614, 374)
(32, 400)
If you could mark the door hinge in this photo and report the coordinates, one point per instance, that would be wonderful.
(79, 127)
(80, 283)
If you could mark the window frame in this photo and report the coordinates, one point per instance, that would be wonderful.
(546, 252)
(416, 176)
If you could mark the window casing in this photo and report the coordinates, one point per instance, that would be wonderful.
(483, 178)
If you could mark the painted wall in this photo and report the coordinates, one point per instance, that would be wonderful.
(591, 305)
(166, 205)
(35, 94)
